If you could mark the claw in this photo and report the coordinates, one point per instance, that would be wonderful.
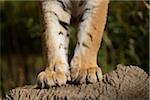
(50, 78)
(74, 74)
(89, 75)
(99, 74)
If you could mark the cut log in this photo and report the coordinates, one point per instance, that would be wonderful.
(124, 83)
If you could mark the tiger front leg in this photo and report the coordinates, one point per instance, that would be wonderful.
(55, 44)
(84, 68)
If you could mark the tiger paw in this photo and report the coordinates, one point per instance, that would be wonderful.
(51, 78)
(86, 75)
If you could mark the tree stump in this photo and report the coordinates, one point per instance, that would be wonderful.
(124, 83)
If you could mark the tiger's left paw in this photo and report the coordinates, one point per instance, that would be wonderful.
(86, 75)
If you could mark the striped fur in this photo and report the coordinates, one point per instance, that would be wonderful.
(91, 15)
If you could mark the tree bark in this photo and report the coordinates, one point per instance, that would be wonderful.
(124, 83)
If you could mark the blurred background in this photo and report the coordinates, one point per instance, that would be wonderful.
(126, 40)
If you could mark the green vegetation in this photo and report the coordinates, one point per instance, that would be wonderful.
(126, 40)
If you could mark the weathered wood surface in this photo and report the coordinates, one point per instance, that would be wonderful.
(124, 83)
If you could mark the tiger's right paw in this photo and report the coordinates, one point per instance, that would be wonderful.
(49, 78)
